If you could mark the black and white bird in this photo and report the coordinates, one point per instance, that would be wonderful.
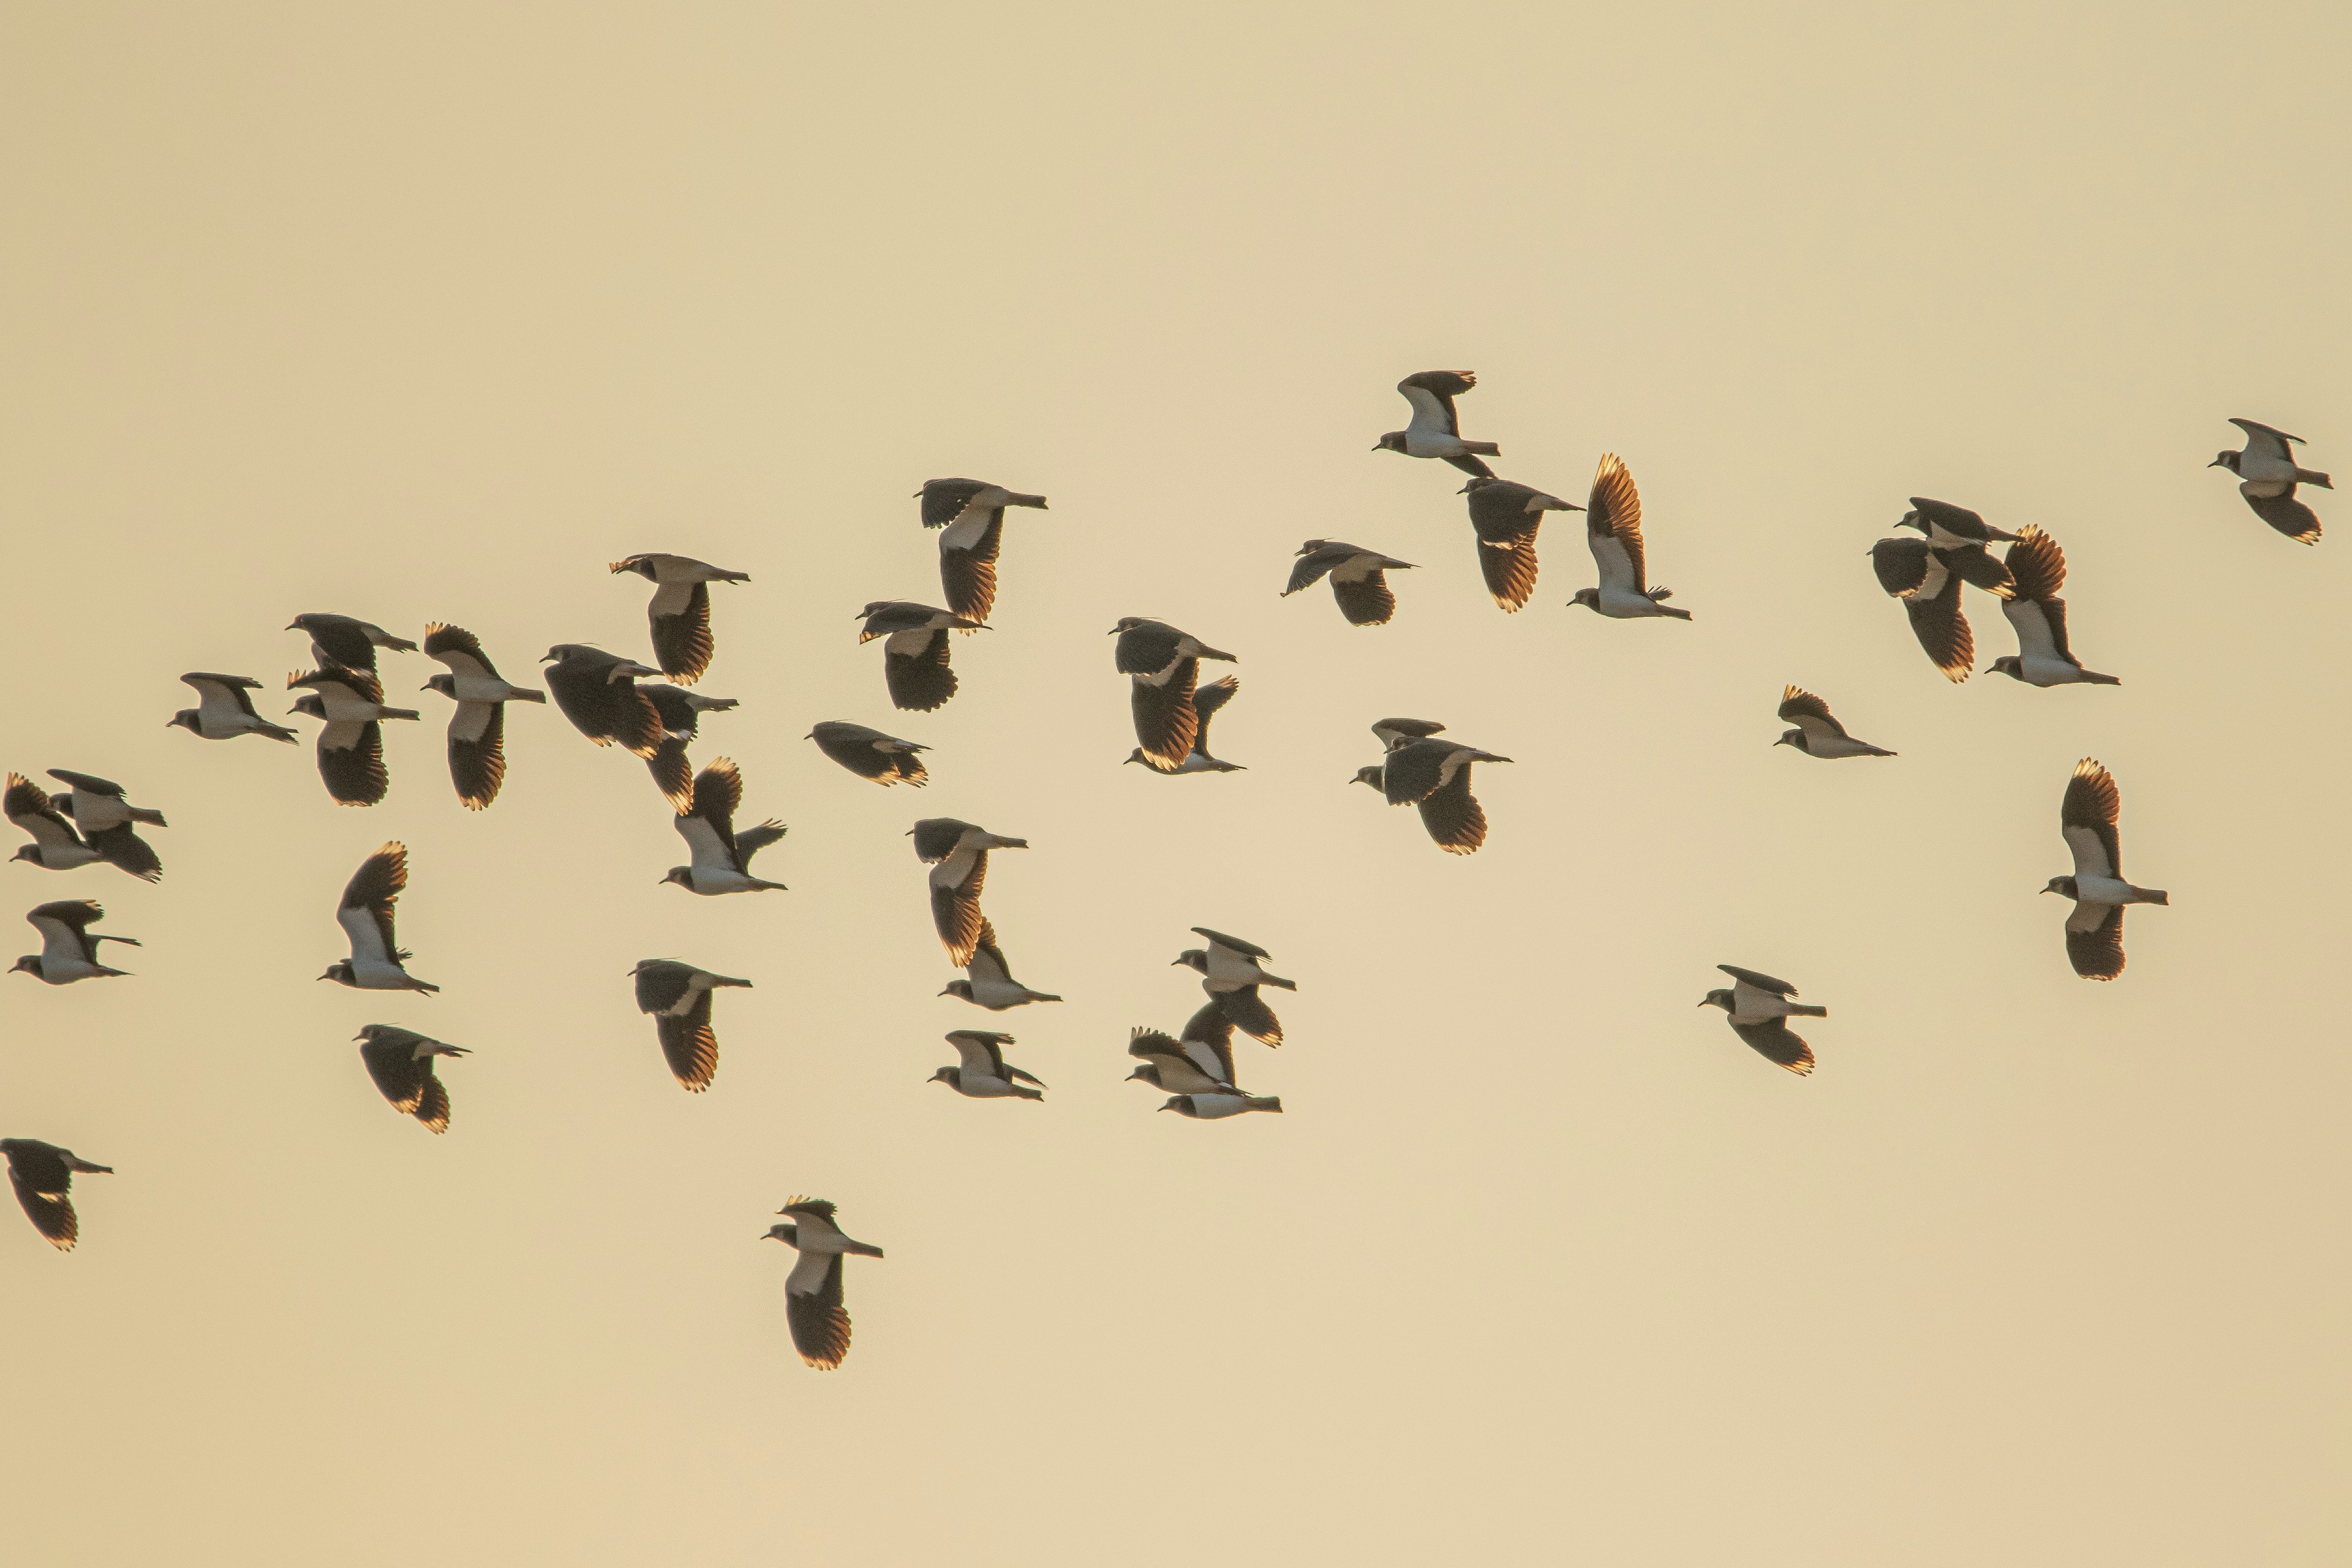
(1817, 734)
(366, 915)
(1394, 732)
(1358, 578)
(97, 805)
(1200, 1061)
(59, 844)
(2267, 477)
(1760, 1009)
(2094, 927)
(957, 853)
(43, 1176)
(223, 710)
(678, 995)
(971, 513)
(477, 730)
(598, 691)
(1162, 663)
(1215, 1107)
(722, 857)
(1614, 528)
(914, 650)
(1949, 527)
(987, 980)
(1505, 517)
(1436, 430)
(984, 1073)
(870, 754)
(346, 641)
(2037, 569)
(1927, 581)
(680, 611)
(1434, 776)
(1206, 701)
(351, 740)
(681, 717)
(820, 1324)
(400, 1062)
(1230, 972)
(69, 949)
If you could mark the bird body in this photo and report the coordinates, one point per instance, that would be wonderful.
(1215, 1107)
(598, 691)
(677, 998)
(1927, 581)
(223, 710)
(400, 1061)
(1394, 732)
(43, 1176)
(1948, 527)
(1436, 430)
(478, 728)
(1760, 1009)
(1613, 530)
(1358, 580)
(69, 947)
(813, 1302)
(351, 740)
(2268, 474)
(984, 1073)
(97, 805)
(987, 980)
(1817, 734)
(2087, 816)
(365, 913)
(1201, 1062)
(871, 754)
(1229, 963)
(680, 614)
(59, 845)
(722, 857)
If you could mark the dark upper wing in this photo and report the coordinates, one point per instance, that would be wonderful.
(1797, 705)
(1452, 816)
(690, 1046)
(2036, 565)
(956, 912)
(1146, 649)
(1367, 602)
(27, 805)
(660, 984)
(820, 1324)
(478, 762)
(1776, 1042)
(340, 639)
(458, 648)
(1249, 1014)
(2287, 514)
(376, 887)
(1943, 630)
(1210, 1033)
(1975, 564)
(122, 847)
(944, 500)
(1206, 702)
(1614, 511)
(1956, 520)
(682, 641)
(1509, 568)
(718, 794)
(2092, 804)
(1166, 723)
(922, 681)
(399, 1075)
(967, 577)
(1413, 770)
(1309, 569)
(1758, 979)
(1904, 566)
(2098, 953)
(1431, 394)
(51, 1212)
(354, 770)
(936, 837)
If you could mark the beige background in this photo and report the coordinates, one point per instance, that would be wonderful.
(429, 313)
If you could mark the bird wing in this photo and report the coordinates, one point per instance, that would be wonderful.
(2087, 815)
(1208, 1042)
(1954, 519)
(1431, 394)
(679, 616)
(2095, 940)
(1206, 702)
(219, 695)
(968, 570)
(918, 679)
(987, 961)
(398, 1072)
(689, 1045)
(1249, 1014)
(944, 500)
(2036, 565)
(820, 1324)
(659, 982)
(1147, 649)
(1808, 713)
(955, 911)
(709, 823)
(29, 806)
(51, 1212)
(983, 1056)
(2287, 514)
(1367, 601)
(1975, 564)
(1309, 568)
(1413, 770)
(477, 752)
(1760, 980)
(936, 837)
(1455, 820)
(1166, 721)
(64, 929)
(460, 649)
(2265, 442)
(350, 762)
(1905, 566)
(1776, 1042)
(1942, 629)
(365, 913)
(1613, 527)
(123, 848)
(1509, 568)
(2030, 620)
(1232, 944)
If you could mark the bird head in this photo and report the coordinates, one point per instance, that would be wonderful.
(1368, 775)
(873, 608)
(958, 988)
(185, 719)
(28, 965)
(682, 875)
(446, 685)
(310, 705)
(1392, 442)
(2009, 665)
(28, 852)
(1792, 738)
(1717, 999)
(1191, 958)
(1913, 519)
(1180, 1103)
(947, 1076)
(1126, 623)
(790, 1235)
(2224, 460)
(2063, 886)
(340, 970)
(1146, 1073)
(1589, 597)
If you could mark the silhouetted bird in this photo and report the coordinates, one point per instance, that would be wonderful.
(681, 717)
(1760, 1009)
(1161, 662)
(69, 949)
(1215, 1107)
(1206, 701)
(1199, 1062)
(721, 857)
(971, 513)
(1505, 516)
(351, 743)
(1434, 776)
(1816, 733)
(598, 692)
(678, 995)
(400, 1062)
(2037, 569)
(984, 1073)
(366, 915)
(957, 853)
(680, 611)
(914, 650)
(477, 730)
(1358, 578)
(812, 1306)
(2094, 927)
(43, 1176)
(988, 980)
(870, 754)
(1230, 972)
(345, 641)
(59, 846)
(1614, 528)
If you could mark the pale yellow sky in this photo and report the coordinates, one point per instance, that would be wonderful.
(429, 317)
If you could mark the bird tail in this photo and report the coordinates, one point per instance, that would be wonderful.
(862, 1249)
(1265, 979)
(400, 713)
(98, 937)
(1043, 996)
(1021, 1093)
(2153, 895)
(732, 577)
(717, 980)
(279, 732)
(1213, 653)
(424, 985)
(2305, 477)
(400, 644)
(1263, 1101)
(1799, 1009)
(760, 887)
(1883, 751)
(103, 970)
(86, 1167)
(520, 694)
(1484, 449)
(2097, 680)
(1037, 502)
(147, 814)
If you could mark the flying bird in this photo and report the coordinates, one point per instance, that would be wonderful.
(351, 741)
(680, 610)
(43, 1176)
(1949, 527)
(223, 710)
(957, 853)
(400, 1062)
(1206, 701)
(1394, 732)
(1434, 776)
(97, 805)
(987, 980)
(1163, 662)
(812, 1306)
(1613, 530)
(721, 857)
(984, 1073)
(478, 728)
(1435, 430)
(2094, 927)
(870, 754)
(598, 691)
(971, 511)
(69, 949)
(678, 995)
(1214, 1107)
(1506, 516)
(2037, 569)
(2268, 474)
(681, 716)
(1817, 734)
(345, 641)
(1928, 581)
(1200, 1061)
(1230, 972)
(366, 915)
(59, 846)
(1760, 1009)
(1358, 578)
(914, 650)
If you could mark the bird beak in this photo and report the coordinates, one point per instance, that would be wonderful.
(2214, 464)
(943, 991)
(293, 626)
(1170, 1106)
(1174, 962)
(2053, 890)
(547, 659)
(427, 686)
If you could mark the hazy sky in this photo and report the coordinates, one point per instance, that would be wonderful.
(429, 314)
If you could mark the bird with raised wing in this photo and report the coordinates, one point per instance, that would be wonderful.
(2094, 926)
(478, 728)
(1230, 972)
(957, 853)
(400, 1063)
(69, 947)
(1760, 1009)
(678, 997)
(223, 710)
(681, 717)
(43, 1176)
(987, 980)
(914, 650)
(1434, 776)
(820, 1324)
(62, 842)
(1206, 701)
(598, 691)
(1161, 662)
(350, 702)
(970, 515)
(1199, 1062)
(720, 857)
(680, 611)
(984, 1073)
(1949, 527)
(1358, 578)
(366, 915)
(2267, 477)
(1505, 518)
(1394, 732)
(870, 754)
(1927, 583)
(347, 641)
(2037, 569)
(1614, 528)
(1817, 734)
(1436, 430)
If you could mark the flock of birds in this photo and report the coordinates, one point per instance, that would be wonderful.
(650, 712)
